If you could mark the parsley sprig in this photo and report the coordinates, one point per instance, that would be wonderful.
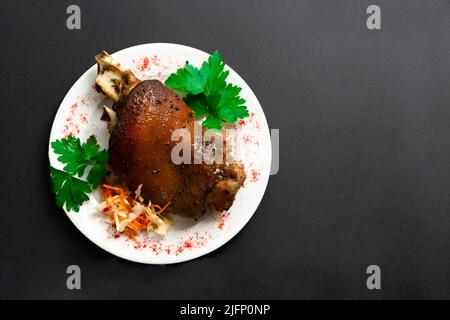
(70, 190)
(208, 94)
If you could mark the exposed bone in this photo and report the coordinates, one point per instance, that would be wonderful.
(112, 121)
(111, 79)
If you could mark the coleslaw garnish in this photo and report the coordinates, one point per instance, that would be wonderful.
(129, 215)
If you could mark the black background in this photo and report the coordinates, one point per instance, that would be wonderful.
(364, 119)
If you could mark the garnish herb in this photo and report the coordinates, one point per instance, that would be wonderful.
(208, 94)
(69, 190)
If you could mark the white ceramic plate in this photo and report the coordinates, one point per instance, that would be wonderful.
(79, 115)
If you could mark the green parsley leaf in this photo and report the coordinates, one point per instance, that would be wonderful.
(231, 105)
(71, 153)
(208, 94)
(212, 122)
(198, 104)
(69, 191)
(77, 157)
(214, 69)
(96, 174)
(187, 79)
(90, 148)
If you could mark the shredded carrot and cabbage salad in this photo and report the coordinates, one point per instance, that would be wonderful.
(130, 215)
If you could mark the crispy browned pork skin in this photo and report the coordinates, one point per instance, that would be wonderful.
(140, 149)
